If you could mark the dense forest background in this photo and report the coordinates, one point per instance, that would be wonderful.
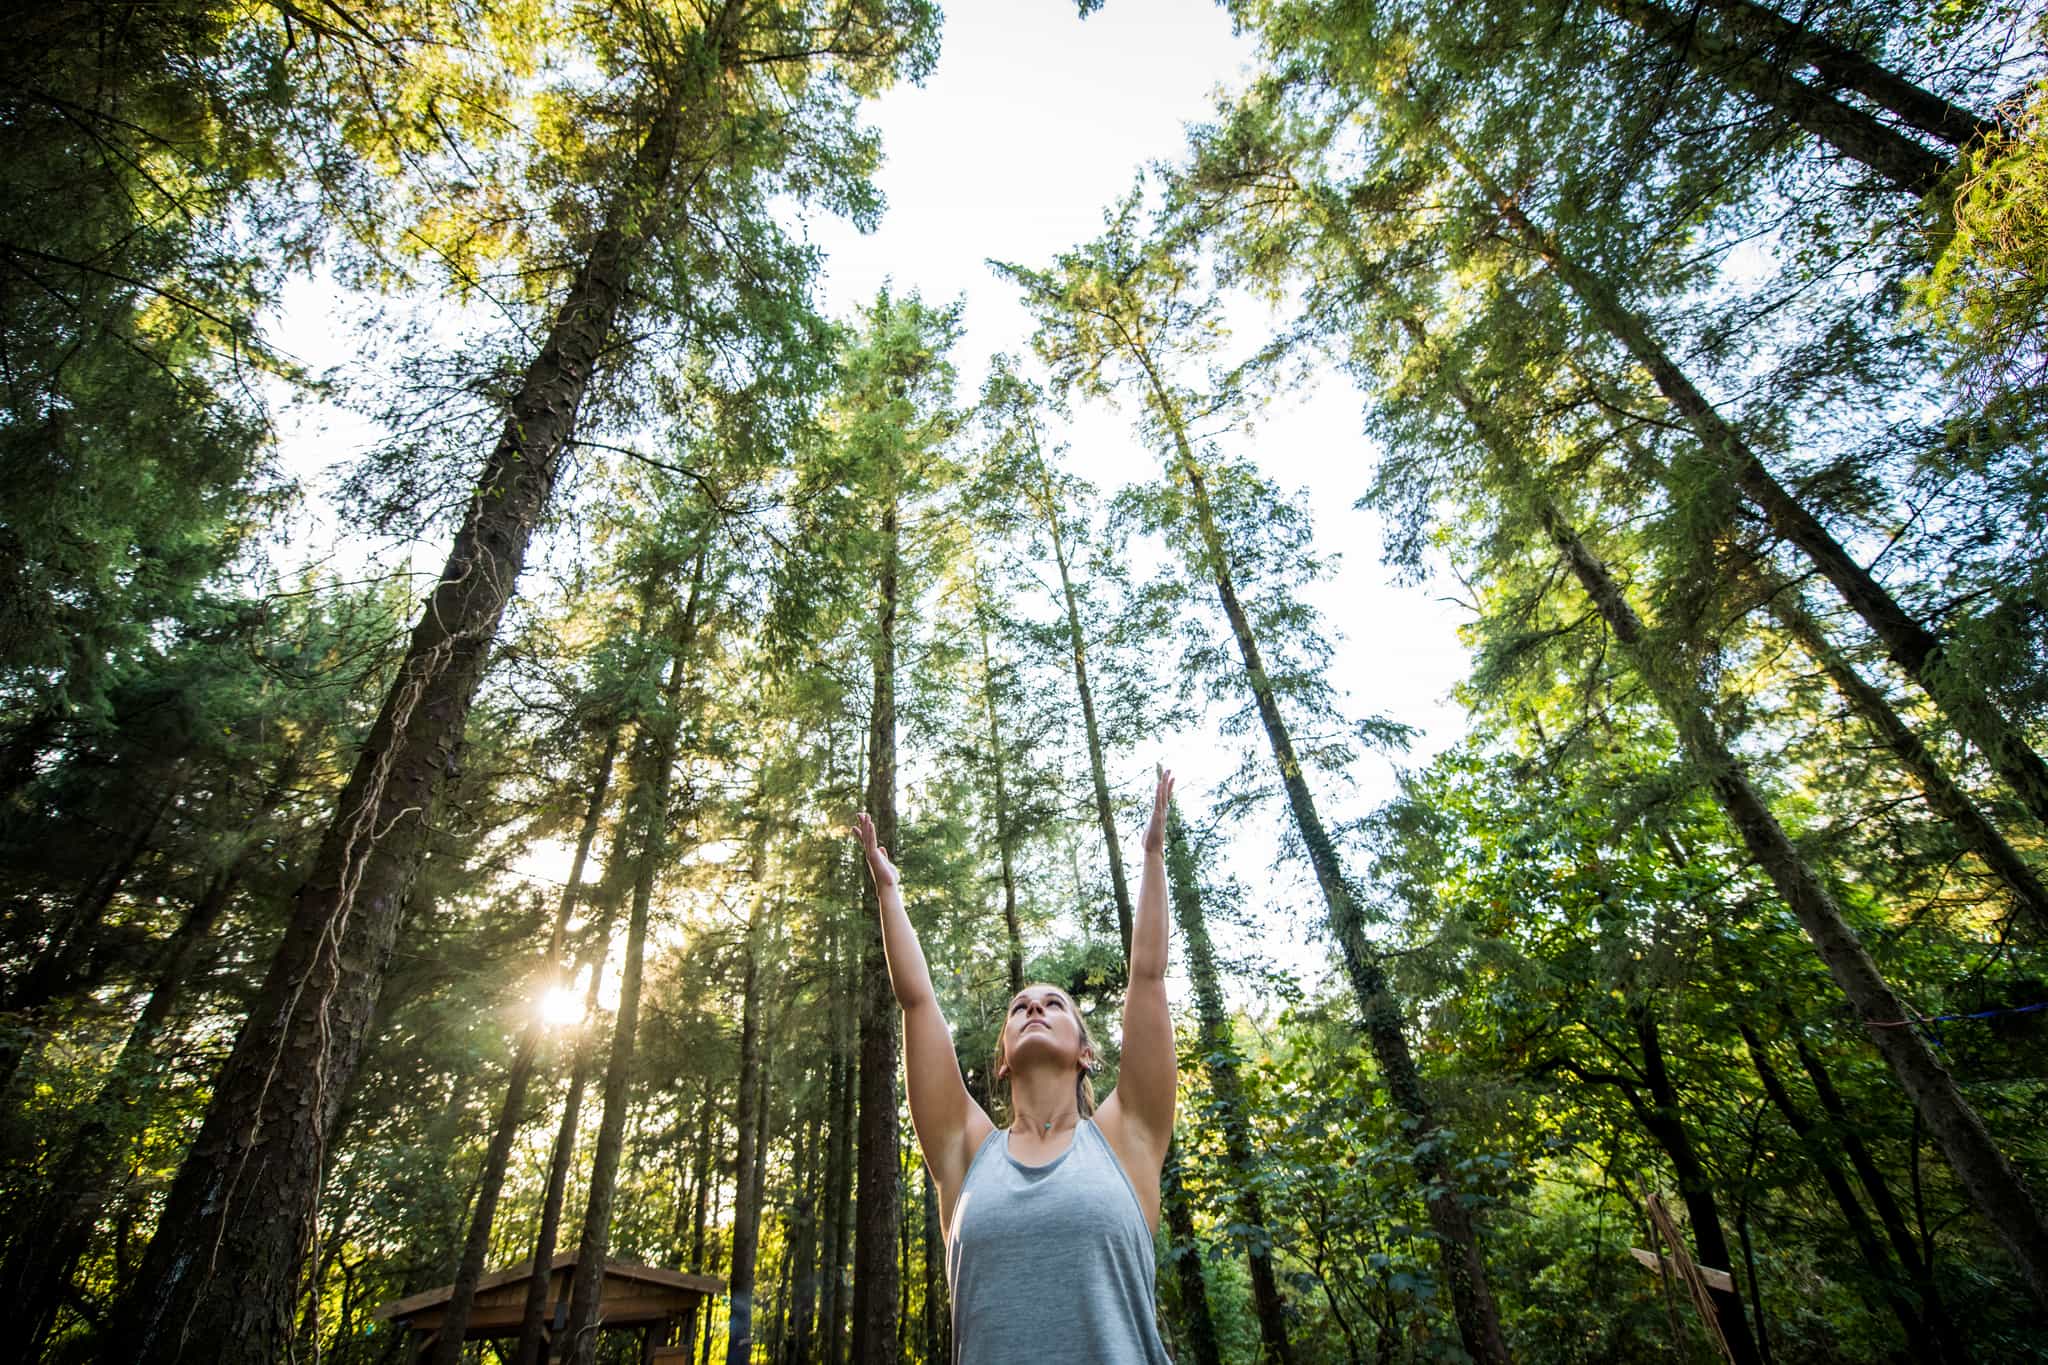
(370, 925)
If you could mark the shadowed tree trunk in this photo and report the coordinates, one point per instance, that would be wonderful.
(1991, 1181)
(1920, 1339)
(1875, 1186)
(647, 816)
(534, 1326)
(803, 1235)
(838, 1179)
(1105, 814)
(39, 1263)
(1186, 1253)
(876, 1212)
(1461, 1258)
(1944, 797)
(455, 1321)
(1856, 134)
(1011, 928)
(935, 1314)
(219, 1279)
(752, 1108)
(1848, 69)
(1225, 1084)
(1663, 1115)
(1915, 648)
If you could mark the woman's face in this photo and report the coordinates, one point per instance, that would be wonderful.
(1042, 1023)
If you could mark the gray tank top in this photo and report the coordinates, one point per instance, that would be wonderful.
(1051, 1262)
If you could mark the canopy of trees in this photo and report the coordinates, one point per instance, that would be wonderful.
(376, 922)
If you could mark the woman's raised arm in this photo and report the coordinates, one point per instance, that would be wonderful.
(1143, 1102)
(949, 1124)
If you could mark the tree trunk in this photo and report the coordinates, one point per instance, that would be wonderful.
(700, 1193)
(1462, 1261)
(1858, 135)
(40, 1261)
(1664, 1119)
(1944, 797)
(1226, 1088)
(1846, 68)
(838, 1183)
(455, 1320)
(1011, 926)
(1186, 1253)
(875, 1329)
(704, 1348)
(803, 1238)
(1904, 1245)
(1922, 1342)
(218, 1281)
(1911, 645)
(935, 1314)
(1105, 814)
(649, 810)
(746, 1197)
(64, 967)
(536, 1329)
(1994, 1186)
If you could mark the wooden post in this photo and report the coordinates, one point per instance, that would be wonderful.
(1698, 1280)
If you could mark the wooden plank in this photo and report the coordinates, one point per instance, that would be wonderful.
(1716, 1279)
(613, 1312)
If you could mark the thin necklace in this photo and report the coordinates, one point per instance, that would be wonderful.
(1044, 1129)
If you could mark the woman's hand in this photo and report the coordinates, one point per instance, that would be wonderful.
(878, 859)
(1155, 832)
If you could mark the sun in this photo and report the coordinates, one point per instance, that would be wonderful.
(560, 1006)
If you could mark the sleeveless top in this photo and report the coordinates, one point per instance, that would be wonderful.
(1052, 1262)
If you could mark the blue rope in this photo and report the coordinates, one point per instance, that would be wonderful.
(1946, 1018)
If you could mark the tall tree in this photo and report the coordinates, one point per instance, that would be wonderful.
(217, 1283)
(1221, 1061)
(1124, 305)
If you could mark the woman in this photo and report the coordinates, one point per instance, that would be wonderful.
(1049, 1223)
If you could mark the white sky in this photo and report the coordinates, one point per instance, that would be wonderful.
(1033, 122)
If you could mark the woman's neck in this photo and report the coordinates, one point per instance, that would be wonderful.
(1043, 1101)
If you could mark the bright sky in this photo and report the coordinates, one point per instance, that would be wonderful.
(1032, 124)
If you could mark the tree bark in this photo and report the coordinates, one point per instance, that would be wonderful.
(40, 1261)
(1663, 1116)
(1920, 1340)
(455, 1320)
(1105, 813)
(935, 1314)
(535, 1327)
(1858, 135)
(1460, 1256)
(218, 1281)
(1994, 1186)
(1225, 1085)
(803, 1236)
(1915, 648)
(1904, 1245)
(838, 1192)
(746, 1120)
(64, 967)
(1012, 929)
(654, 775)
(1848, 69)
(1186, 1252)
(876, 1212)
(1944, 797)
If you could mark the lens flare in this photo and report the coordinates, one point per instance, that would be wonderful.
(561, 1007)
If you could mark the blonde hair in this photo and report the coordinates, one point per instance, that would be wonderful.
(1084, 1087)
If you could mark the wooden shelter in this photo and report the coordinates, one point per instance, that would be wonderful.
(660, 1304)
